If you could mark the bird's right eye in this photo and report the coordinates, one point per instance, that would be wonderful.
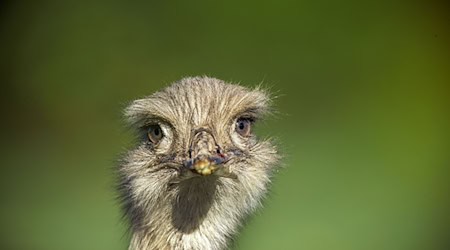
(154, 134)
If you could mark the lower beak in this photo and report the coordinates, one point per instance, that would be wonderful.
(211, 166)
(205, 165)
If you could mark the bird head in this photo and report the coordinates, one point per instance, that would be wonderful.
(199, 127)
(196, 152)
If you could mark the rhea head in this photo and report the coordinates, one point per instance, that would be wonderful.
(197, 169)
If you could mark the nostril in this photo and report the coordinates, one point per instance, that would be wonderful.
(220, 153)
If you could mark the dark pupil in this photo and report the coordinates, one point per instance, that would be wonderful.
(241, 125)
(156, 131)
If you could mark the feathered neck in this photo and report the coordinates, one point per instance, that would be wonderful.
(200, 213)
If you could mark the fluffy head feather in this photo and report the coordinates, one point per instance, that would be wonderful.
(169, 205)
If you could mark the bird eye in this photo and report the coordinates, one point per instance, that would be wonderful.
(243, 126)
(154, 133)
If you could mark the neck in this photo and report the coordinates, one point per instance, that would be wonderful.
(200, 213)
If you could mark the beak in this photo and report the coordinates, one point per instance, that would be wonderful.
(206, 157)
(209, 165)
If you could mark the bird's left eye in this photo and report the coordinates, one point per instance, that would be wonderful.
(243, 126)
(154, 133)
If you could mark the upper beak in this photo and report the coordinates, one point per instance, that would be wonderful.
(206, 157)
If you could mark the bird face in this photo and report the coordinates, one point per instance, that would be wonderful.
(196, 152)
(198, 127)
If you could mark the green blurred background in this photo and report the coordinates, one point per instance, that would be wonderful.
(363, 97)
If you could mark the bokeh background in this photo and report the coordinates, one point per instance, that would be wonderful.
(362, 93)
